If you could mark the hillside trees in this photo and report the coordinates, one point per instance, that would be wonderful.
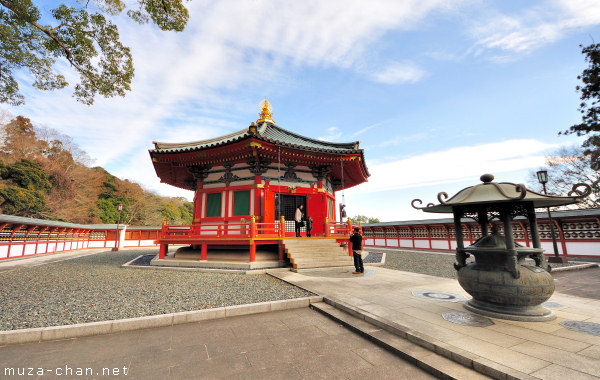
(364, 219)
(78, 32)
(44, 174)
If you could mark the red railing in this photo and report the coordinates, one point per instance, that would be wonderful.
(337, 229)
(250, 230)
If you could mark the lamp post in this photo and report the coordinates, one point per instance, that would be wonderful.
(120, 208)
(542, 176)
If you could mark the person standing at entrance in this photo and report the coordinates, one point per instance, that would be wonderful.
(298, 220)
(308, 226)
(356, 241)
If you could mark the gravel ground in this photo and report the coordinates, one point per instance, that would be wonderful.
(434, 264)
(373, 257)
(95, 288)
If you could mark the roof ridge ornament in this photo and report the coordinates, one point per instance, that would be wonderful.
(266, 112)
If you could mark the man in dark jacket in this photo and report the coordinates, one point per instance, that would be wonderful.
(356, 241)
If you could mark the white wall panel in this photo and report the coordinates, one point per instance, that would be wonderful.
(406, 243)
(583, 248)
(41, 248)
(16, 250)
(29, 249)
(439, 244)
(392, 242)
(421, 243)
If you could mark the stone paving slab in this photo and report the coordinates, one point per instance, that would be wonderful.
(289, 344)
(518, 349)
(147, 322)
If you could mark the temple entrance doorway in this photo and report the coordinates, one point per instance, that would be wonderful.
(289, 204)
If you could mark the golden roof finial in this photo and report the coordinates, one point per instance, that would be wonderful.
(265, 112)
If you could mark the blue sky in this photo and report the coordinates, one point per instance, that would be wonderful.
(438, 92)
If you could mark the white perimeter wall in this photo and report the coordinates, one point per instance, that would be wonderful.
(575, 248)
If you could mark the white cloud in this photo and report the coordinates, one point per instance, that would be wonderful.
(533, 27)
(404, 138)
(333, 133)
(455, 164)
(313, 32)
(399, 73)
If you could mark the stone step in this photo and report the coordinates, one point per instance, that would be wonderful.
(430, 361)
(315, 247)
(317, 264)
(317, 257)
(316, 252)
(345, 260)
(306, 245)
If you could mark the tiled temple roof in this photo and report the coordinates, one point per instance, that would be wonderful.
(266, 131)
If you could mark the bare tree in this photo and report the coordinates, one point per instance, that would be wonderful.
(567, 167)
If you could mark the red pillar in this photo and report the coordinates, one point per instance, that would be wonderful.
(282, 227)
(252, 251)
(252, 227)
(164, 248)
(280, 251)
(203, 252)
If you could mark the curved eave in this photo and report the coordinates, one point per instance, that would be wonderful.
(545, 201)
(231, 138)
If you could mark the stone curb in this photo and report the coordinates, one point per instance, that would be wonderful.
(465, 358)
(129, 265)
(42, 334)
(575, 267)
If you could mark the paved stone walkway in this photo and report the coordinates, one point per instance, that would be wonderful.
(544, 350)
(582, 283)
(291, 344)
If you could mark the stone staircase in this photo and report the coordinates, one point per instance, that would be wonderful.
(305, 253)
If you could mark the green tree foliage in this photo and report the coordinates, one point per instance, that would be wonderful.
(79, 32)
(16, 200)
(27, 174)
(567, 167)
(590, 105)
(23, 188)
(178, 211)
(364, 219)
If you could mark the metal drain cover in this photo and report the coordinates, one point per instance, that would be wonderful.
(438, 296)
(467, 319)
(584, 327)
(552, 305)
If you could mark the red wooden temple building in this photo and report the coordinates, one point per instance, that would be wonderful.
(249, 183)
